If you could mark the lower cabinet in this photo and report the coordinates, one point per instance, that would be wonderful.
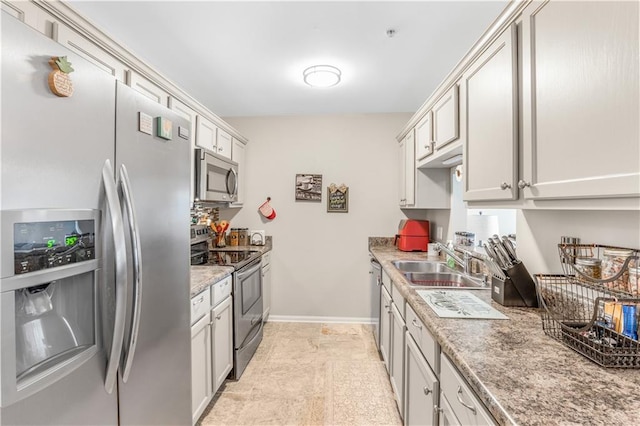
(222, 342)
(211, 343)
(201, 378)
(464, 404)
(385, 326)
(421, 387)
(397, 348)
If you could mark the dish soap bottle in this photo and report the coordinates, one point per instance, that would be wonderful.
(450, 262)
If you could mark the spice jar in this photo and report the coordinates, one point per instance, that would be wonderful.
(591, 267)
(243, 236)
(613, 261)
(233, 237)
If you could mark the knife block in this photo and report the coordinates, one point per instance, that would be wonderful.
(517, 290)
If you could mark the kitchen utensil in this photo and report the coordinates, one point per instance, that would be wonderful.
(493, 255)
(501, 252)
(506, 242)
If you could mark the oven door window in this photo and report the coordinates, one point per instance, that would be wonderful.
(251, 288)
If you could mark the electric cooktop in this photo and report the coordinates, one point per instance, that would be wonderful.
(236, 258)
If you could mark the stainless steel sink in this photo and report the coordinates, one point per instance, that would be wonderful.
(420, 266)
(443, 280)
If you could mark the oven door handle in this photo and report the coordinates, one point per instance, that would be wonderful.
(248, 270)
(256, 319)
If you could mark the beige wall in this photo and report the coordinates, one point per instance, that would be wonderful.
(320, 260)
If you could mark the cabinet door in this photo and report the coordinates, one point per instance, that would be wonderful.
(445, 118)
(385, 326)
(238, 155)
(222, 320)
(266, 291)
(148, 88)
(407, 170)
(424, 137)
(29, 13)
(86, 48)
(186, 112)
(223, 143)
(421, 387)
(396, 369)
(491, 143)
(445, 413)
(206, 134)
(580, 100)
(201, 387)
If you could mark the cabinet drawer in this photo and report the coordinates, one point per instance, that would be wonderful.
(465, 405)
(425, 341)
(398, 300)
(386, 281)
(200, 305)
(220, 290)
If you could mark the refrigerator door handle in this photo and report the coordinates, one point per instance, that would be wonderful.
(130, 349)
(121, 274)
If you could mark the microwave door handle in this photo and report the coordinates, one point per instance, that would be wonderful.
(235, 181)
(121, 274)
(134, 233)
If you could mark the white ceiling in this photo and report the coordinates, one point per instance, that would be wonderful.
(246, 58)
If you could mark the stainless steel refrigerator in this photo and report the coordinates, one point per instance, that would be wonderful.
(94, 246)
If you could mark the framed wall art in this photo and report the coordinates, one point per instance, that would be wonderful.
(337, 198)
(308, 187)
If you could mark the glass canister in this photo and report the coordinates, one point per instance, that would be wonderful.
(612, 262)
(243, 236)
(591, 267)
(233, 237)
(634, 281)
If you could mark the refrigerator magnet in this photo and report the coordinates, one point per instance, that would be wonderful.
(164, 128)
(145, 123)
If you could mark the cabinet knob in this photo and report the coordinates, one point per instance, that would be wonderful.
(522, 184)
(426, 390)
(220, 149)
(505, 186)
(415, 324)
(218, 316)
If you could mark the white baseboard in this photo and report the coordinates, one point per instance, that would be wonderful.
(326, 320)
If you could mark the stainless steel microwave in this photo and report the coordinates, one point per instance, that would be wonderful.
(216, 177)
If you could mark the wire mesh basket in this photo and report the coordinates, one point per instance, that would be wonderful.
(595, 316)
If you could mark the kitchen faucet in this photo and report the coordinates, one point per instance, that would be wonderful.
(465, 262)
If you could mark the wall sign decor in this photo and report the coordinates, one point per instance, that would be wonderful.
(59, 81)
(308, 187)
(338, 198)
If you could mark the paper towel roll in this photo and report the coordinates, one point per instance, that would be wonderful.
(484, 226)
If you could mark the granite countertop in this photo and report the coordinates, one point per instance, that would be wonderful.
(202, 276)
(522, 375)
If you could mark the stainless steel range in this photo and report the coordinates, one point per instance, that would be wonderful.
(247, 295)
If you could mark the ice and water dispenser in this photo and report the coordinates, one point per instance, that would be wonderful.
(48, 282)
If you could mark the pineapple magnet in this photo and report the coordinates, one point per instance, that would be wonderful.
(59, 81)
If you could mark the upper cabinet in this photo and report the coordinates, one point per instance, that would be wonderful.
(580, 100)
(206, 133)
(29, 13)
(424, 136)
(490, 148)
(223, 143)
(148, 88)
(445, 118)
(407, 170)
(86, 48)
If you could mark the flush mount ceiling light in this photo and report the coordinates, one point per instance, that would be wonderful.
(322, 76)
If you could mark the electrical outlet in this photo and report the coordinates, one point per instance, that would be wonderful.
(439, 233)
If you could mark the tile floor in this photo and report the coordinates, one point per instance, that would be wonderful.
(309, 374)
